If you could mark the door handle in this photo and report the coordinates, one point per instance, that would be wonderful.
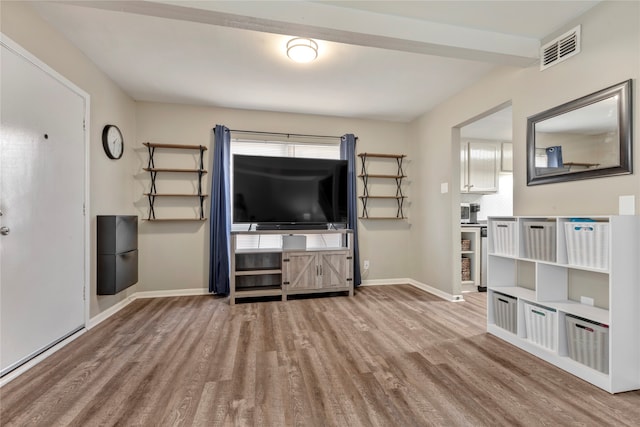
(4, 230)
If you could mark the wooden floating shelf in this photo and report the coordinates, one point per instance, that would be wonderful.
(153, 172)
(382, 197)
(175, 219)
(177, 146)
(175, 195)
(382, 156)
(381, 176)
(588, 165)
(382, 217)
(368, 199)
(174, 170)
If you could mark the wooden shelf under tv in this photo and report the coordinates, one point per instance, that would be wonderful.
(263, 272)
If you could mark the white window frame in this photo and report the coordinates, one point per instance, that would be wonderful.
(297, 149)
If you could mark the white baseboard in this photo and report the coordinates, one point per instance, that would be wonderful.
(435, 291)
(94, 321)
(102, 316)
(384, 282)
(171, 293)
(415, 283)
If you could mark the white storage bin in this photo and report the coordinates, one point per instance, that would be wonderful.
(588, 343)
(505, 312)
(588, 244)
(539, 322)
(540, 240)
(504, 238)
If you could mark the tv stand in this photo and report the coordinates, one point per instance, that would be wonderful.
(292, 226)
(263, 272)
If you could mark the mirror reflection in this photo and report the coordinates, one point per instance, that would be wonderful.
(585, 138)
(580, 139)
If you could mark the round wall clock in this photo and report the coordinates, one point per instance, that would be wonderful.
(112, 141)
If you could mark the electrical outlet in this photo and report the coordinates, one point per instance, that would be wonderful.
(366, 264)
(586, 300)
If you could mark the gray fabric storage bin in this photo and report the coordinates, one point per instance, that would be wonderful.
(588, 342)
(540, 240)
(505, 309)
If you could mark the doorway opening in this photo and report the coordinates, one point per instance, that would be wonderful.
(486, 187)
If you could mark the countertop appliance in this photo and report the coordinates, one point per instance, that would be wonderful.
(469, 213)
(465, 213)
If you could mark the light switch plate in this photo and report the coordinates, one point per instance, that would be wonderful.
(444, 187)
(627, 205)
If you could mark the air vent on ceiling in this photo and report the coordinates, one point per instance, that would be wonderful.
(561, 48)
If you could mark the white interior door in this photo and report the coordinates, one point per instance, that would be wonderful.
(42, 191)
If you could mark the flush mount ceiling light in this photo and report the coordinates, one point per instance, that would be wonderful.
(302, 50)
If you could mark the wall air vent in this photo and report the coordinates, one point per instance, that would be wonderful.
(561, 48)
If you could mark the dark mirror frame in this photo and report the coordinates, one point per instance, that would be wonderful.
(625, 130)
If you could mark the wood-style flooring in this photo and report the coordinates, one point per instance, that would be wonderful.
(389, 356)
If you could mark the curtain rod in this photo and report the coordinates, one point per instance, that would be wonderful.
(283, 134)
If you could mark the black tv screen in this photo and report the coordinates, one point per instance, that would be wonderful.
(286, 191)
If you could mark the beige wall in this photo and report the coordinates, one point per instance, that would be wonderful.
(175, 255)
(111, 190)
(610, 54)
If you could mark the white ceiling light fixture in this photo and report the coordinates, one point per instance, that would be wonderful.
(302, 50)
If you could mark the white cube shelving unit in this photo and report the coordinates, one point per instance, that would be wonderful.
(598, 259)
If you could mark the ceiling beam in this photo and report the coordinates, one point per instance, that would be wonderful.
(341, 25)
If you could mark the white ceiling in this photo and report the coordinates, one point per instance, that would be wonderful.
(387, 60)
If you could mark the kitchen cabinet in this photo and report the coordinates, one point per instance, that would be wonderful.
(479, 165)
(506, 165)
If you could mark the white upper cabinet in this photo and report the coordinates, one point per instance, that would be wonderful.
(479, 165)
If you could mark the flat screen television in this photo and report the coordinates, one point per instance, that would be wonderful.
(288, 192)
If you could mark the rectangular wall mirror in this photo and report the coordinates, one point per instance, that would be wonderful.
(585, 138)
